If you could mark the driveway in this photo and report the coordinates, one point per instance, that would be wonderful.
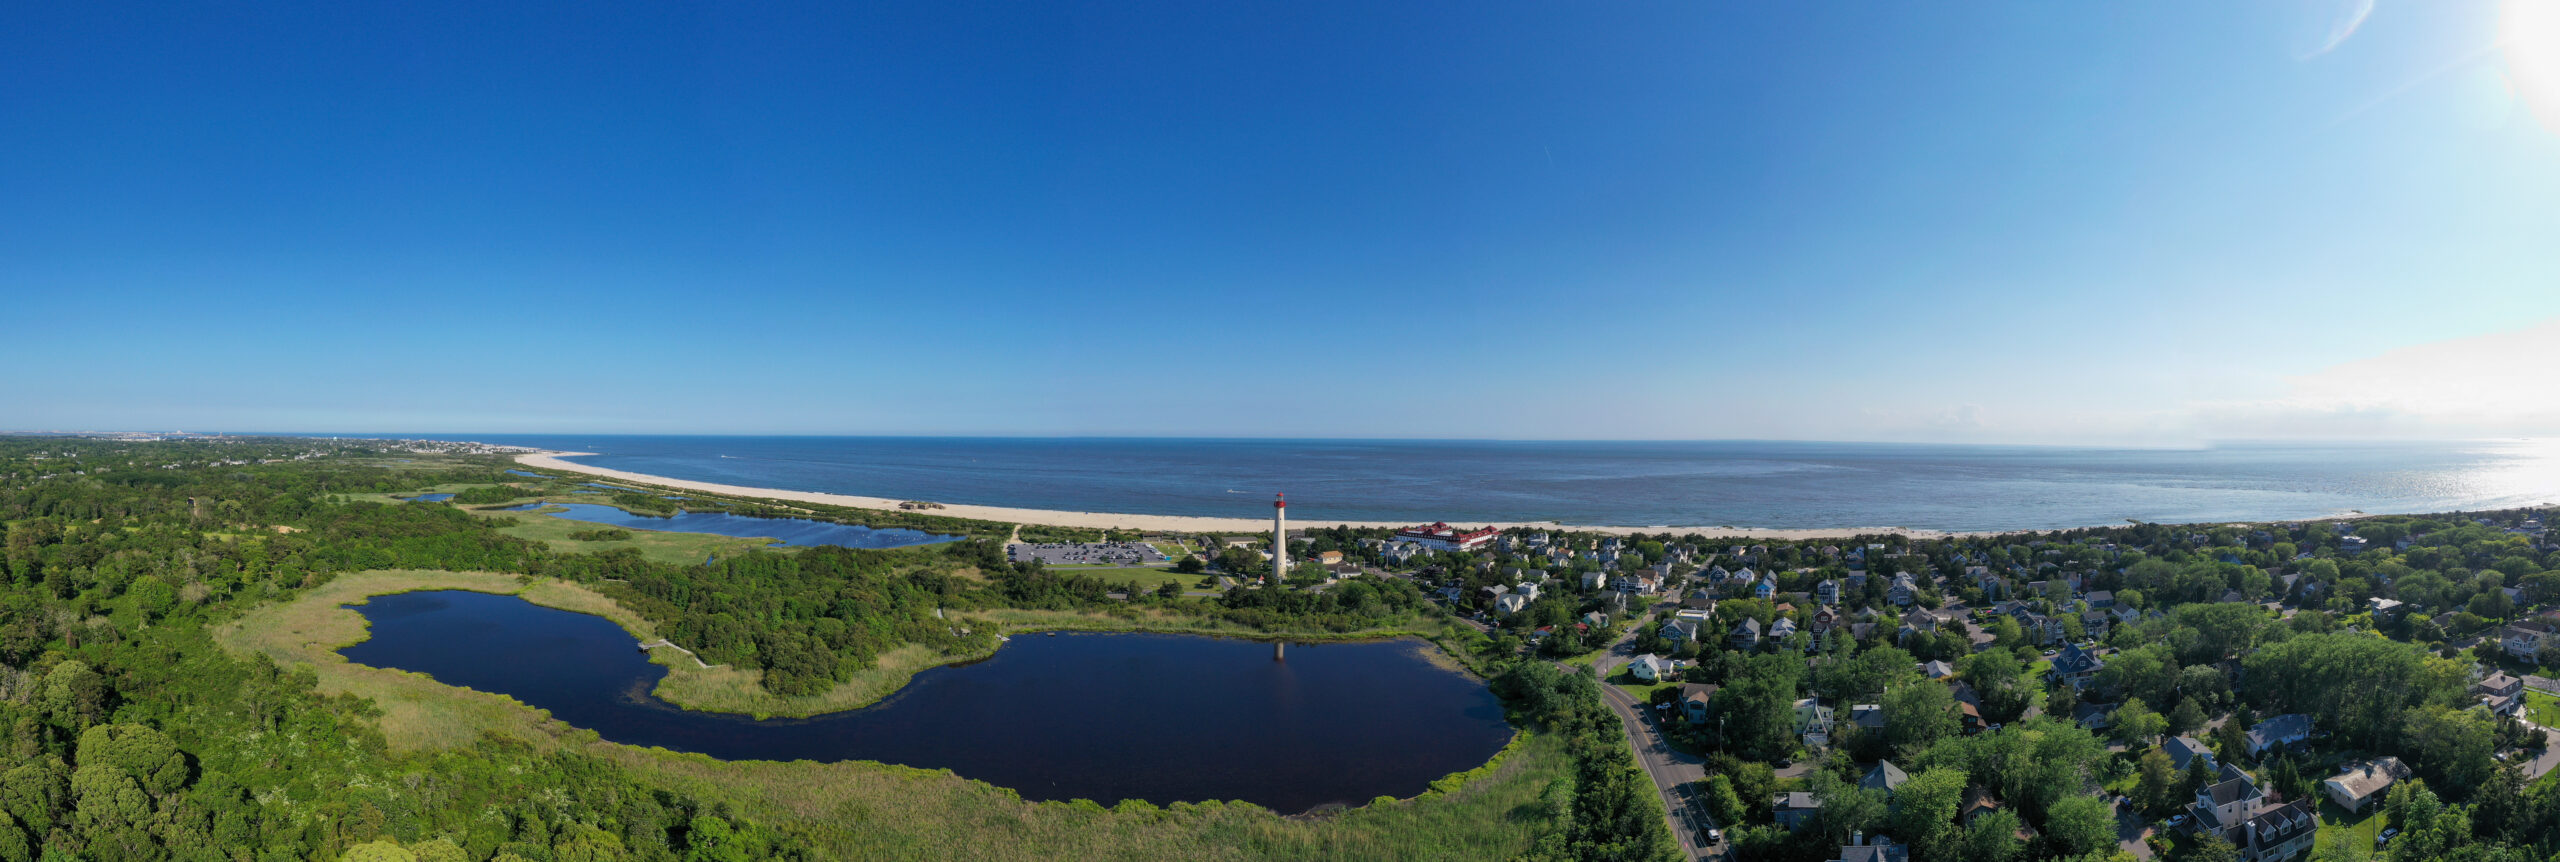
(2131, 828)
(2550, 754)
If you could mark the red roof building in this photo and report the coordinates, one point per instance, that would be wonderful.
(1439, 536)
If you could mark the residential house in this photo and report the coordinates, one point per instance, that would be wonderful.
(2523, 641)
(2094, 716)
(2095, 623)
(2363, 782)
(1509, 603)
(1977, 802)
(2279, 730)
(1764, 590)
(1827, 592)
(1867, 716)
(1885, 776)
(2275, 833)
(1813, 723)
(1593, 579)
(1937, 670)
(2182, 749)
(1697, 701)
(2228, 801)
(2383, 608)
(2102, 599)
(2500, 693)
(1793, 810)
(1903, 591)
(2075, 666)
(1680, 631)
(1649, 668)
(1595, 619)
(1746, 637)
(1883, 850)
(1778, 631)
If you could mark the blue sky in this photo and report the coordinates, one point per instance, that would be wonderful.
(2018, 222)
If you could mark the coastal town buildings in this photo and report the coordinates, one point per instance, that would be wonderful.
(1439, 536)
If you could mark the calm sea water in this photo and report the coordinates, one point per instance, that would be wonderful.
(1105, 717)
(1745, 484)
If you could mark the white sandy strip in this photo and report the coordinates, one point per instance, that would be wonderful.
(1151, 523)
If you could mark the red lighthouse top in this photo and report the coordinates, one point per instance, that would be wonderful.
(1281, 503)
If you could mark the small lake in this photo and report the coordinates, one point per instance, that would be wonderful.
(526, 474)
(430, 498)
(794, 532)
(1097, 716)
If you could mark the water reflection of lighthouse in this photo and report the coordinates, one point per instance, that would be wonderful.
(1279, 556)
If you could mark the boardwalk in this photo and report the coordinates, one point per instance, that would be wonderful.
(662, 642)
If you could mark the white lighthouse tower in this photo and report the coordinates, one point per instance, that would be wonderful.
(1279, 539)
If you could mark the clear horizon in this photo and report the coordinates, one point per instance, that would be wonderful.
(2149, 226)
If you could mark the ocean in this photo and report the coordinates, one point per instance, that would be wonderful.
(1783, 485)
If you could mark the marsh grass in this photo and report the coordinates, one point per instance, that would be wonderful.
(866, 810)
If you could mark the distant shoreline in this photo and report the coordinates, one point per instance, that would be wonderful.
(550, 460)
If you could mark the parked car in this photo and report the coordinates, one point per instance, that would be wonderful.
(2386, 836)
(2176, 821)
(1715, 836)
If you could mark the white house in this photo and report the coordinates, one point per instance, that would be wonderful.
(2523, 640)
(1649, 667)
(2363, 782)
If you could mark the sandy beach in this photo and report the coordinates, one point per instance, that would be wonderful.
(1157, 523)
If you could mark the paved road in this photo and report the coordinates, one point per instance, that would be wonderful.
(1671, 770)
(2550, 754)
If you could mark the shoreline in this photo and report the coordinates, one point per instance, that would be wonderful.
(551, 460)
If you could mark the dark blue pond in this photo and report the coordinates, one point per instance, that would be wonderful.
(430, 498)
(523, 473)
(796, 532)
(1105, 717)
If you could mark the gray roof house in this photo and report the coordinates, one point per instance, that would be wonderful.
(1885, 776)
(2279, 730)
(2185, 748)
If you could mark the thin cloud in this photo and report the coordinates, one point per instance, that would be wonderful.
(2498, 384)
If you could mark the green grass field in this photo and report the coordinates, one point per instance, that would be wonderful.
(2354, 833)
(1145, 577)
(2542, 709)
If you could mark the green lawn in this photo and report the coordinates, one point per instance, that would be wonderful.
(2357, 830)
(2542, 709)
(1643, 691)
(1146, 578)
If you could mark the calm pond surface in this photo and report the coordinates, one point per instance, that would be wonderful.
(430, 498)
(791, 531)
(1106, 717)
